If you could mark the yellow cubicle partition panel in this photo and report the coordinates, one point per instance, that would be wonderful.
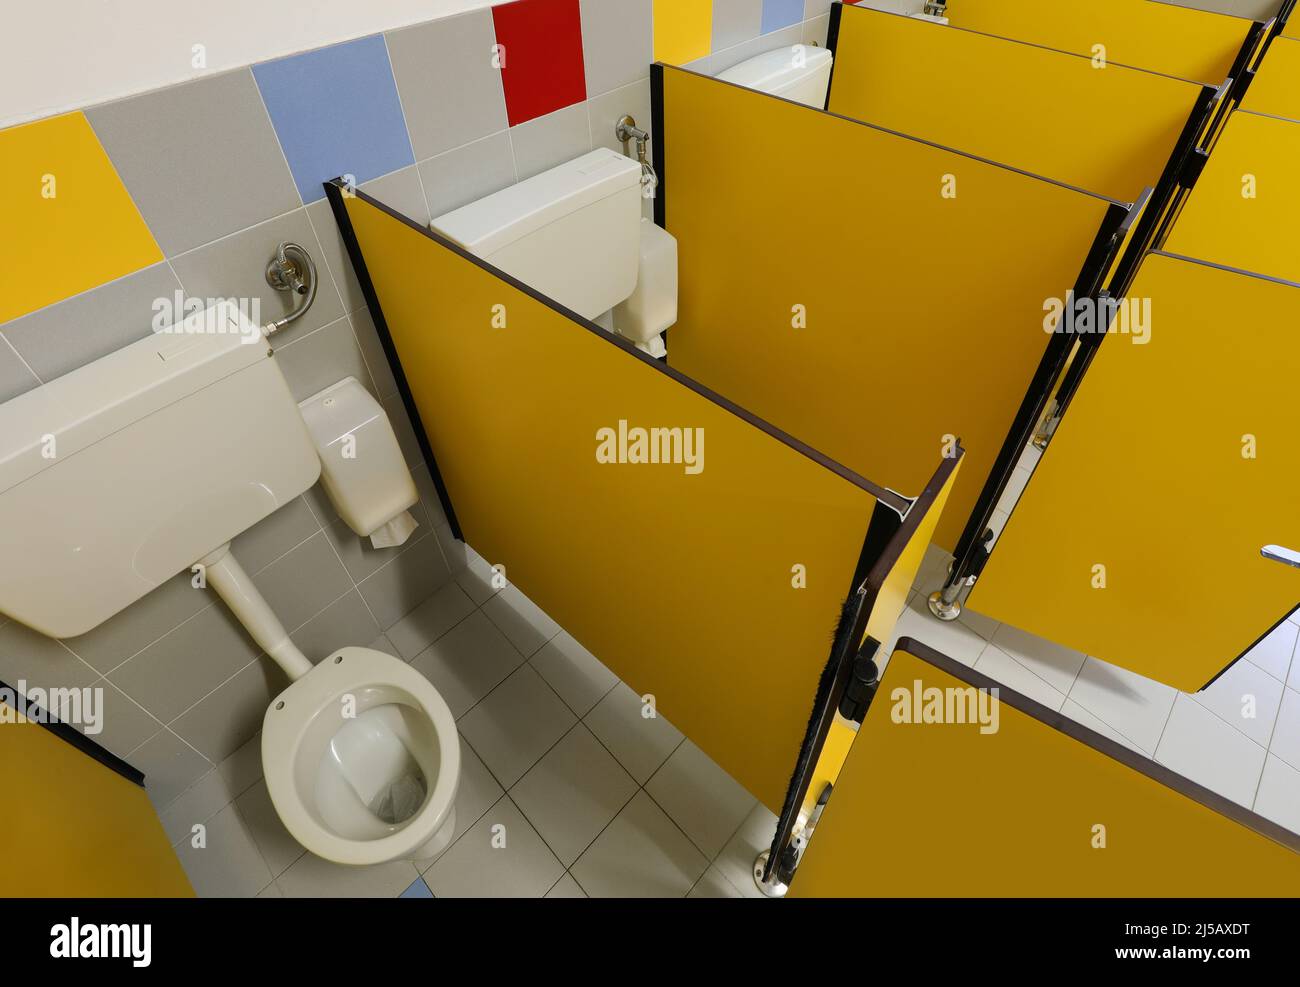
(74, 828)
(1161, 37)
(1275, 90)
(1138, 539)
(958, 787)
(1048, 112)
(1245, 207)
(701, 554)
(831, 270)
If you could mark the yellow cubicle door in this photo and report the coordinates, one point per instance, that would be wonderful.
(711, 580)
(1275, 90)
(1161, 37)
(1011, 102)
(1245, 208)
(1138, 538)
(73, 828)
(834, 275)
(951, 791)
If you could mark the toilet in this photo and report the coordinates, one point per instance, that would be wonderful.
(801, 74)
(146, 463)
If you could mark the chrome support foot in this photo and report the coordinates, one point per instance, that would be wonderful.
(774, 887)
(944, 609)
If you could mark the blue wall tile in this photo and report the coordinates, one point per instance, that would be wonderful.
(781, 13)
(336, 112)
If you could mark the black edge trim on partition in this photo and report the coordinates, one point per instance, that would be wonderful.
(1170, 194)
(832, 44)
(1050, 367)
(1104, 745)
(1240, 76)
(887, 538)
(335, 189)
(657, 143)
(76, 738)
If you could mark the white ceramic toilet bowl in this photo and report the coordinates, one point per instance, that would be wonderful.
(362, 760)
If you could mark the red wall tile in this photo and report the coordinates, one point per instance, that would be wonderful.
(543, 56)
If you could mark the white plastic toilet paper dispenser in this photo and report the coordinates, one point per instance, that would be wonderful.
(362, 468)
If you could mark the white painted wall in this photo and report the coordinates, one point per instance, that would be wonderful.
(57, 55)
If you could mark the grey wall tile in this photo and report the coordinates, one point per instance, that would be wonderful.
(63, 337)
(41, 661)
(404, 430)
(786, 37)
(15, 378)
(303, 583)
(125, 725)
(227, 718)
(815, 8)
(321, 358)
(450, 90)
(275, 535)
(735, 21)
(345, 623)
(175, 672)
(336, 255)
(406, 582)
(815, 31)
(235, 267)
(605, 111)
(401, 191)
(142, 623)
(372, 350)
(459, 177)
(551, 140)
(617, 42)
(201, 159)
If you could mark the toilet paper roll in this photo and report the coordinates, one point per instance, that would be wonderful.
(395, 532)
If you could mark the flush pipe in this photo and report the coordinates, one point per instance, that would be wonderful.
(228, 579)
(291, 270)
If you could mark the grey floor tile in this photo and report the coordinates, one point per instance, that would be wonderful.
(81, 329)
(736, 861)
(1278, 798)
(640, 743)
(279, 850)
(501, 856)
(142, 623)
(477, 793)
(430, 620)
(242, 769)
(227, 718)
(573, 672)
(227, 864)
(235, 267)
(164, 145)
(1200, 746)
(468, 662)
(713, 885)
(641, 854)
(170, 766)
(566, 887)
(275, 535)
(572, 793)
(466, 174)
(450, 90)
(521, 620)
(515, 724)
(345, 623)
(705, 802)
(304, 582)
(125, 724)
(15, 377)
(406, 582)
(1246, 697)
(1135, 706)
(551, 140)
(312, 877)
(39, 660)
(197, 804)
(1056, 665)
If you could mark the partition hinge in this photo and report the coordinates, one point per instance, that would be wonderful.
(864, 679)
(1193, 167)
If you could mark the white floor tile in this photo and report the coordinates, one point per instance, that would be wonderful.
(468, 662)
(430, 620)
(1200, 746)
(1015, 676)
(705, 801)
(197, 804)
(641, 743)
(278, 848)
(1286, 734)
(984, 626)
(566, 887)
(476, 578)
(1080, 715)
(572, 793)
(574, 672)
(271, 891)
(1274, 653)
(713, 885)
(736, 861)
(1279, 794)
(228, 865)
(501, 856)
(521, 620)
(1056, 665)
(477, 793)
(1135, 706)
(312, 877)
(641, 854)
(1015, 488)
(515, 724)
(933, 570)
(1246, 697)
(952, 638)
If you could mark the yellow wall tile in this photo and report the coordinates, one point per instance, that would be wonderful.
(68, 222)
(683, 30)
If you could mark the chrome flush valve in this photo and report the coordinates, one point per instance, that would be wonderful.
(292, 270)
(627, 131)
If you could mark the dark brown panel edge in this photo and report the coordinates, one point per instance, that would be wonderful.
(80, 741)
(1104, 745)
(335, 190)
